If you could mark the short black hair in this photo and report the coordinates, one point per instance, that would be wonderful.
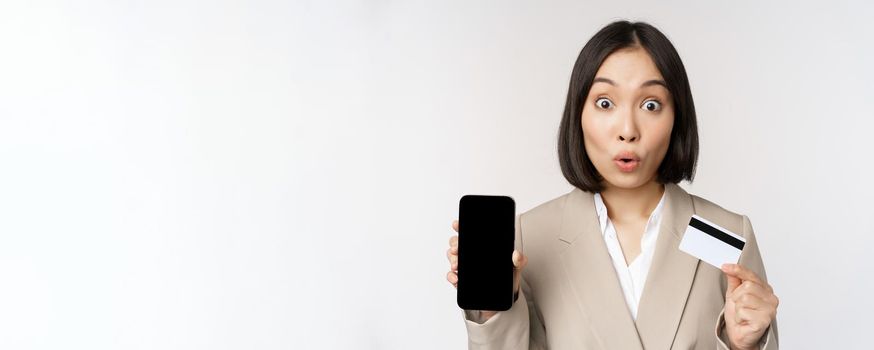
(682, 155)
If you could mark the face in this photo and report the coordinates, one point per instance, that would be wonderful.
(627, 119)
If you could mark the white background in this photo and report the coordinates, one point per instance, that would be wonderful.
(270, 175)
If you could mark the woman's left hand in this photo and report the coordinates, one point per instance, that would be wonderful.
(750, 306)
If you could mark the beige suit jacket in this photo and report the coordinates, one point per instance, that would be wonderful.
(571, 297)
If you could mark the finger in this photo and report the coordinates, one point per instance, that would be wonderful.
(742, 315)
(751, 301)
(453, 262)
(452, 277)
(733, 283)
(742, 273)
(455, 225)
(519, 260)
(453, 241)
(756, 321)
(749, 287)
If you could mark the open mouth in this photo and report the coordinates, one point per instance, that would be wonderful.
(626, 157)
(627, 162)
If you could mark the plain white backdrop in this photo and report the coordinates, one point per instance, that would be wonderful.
(273, 175)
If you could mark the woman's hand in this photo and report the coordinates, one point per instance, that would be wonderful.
(750, 306)
(519, 262)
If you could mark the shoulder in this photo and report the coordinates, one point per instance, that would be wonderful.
(546, 214)
(733, 221)
(539, 229)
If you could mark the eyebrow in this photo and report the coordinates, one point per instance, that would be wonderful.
(645, 84)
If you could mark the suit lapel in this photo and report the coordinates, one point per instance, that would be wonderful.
(670, 277)
(590, 272)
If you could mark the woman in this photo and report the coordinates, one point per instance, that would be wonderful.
(627, 137)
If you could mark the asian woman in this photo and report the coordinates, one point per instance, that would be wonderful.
(601, 267)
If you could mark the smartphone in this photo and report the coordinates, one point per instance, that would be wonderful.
(486, 239)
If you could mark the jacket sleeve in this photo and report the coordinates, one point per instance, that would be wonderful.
(751, 259)
(519, 328)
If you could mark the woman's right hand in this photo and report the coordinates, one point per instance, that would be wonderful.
(519, 262)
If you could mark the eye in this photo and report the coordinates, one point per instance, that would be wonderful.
(604, 103)
(651, 105)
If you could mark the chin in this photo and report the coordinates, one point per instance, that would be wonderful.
(626, 181)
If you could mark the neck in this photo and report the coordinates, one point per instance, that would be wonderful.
(632, 203)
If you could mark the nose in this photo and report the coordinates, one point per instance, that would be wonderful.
(628, 131)
(630, 139)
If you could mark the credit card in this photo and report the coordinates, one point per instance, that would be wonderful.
(711, 243)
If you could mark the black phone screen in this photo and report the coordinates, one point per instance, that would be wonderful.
(486, 234)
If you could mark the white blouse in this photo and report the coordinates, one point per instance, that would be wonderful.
(632, 277)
